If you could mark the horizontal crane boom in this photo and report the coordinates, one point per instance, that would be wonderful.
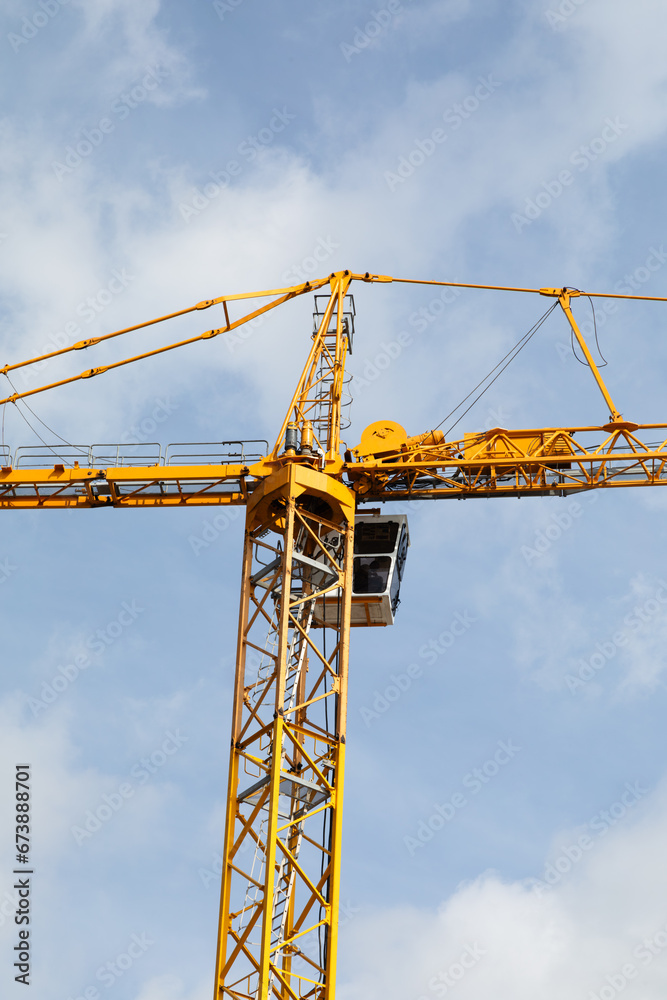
(496, 463)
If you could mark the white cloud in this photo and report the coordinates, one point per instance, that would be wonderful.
(568, 941)
(644, 623)
(143, 45)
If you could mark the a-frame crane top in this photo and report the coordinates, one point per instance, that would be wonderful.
(308, 576)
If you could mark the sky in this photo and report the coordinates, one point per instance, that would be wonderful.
(506, 799)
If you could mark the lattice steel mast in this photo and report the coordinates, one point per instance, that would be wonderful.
(281, 868)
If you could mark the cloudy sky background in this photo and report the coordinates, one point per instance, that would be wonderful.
(549, 877)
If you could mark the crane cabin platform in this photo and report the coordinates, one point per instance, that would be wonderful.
(380, 549)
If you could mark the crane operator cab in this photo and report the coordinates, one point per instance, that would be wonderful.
(380, 549)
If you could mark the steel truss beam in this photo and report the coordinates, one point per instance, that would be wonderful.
(280, 886)
(499, 462)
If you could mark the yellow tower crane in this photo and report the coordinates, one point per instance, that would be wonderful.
(314, 565)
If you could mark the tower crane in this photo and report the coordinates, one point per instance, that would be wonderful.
(316, 562)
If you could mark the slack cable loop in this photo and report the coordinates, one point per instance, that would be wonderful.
(595, 330)
(574, 351)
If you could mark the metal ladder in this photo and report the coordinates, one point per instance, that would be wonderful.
(285, 876)
(257, 870)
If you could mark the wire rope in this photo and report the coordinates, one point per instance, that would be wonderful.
(595, 330)
(35, 432)
(511, 354)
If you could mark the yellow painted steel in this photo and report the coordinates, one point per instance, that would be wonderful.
(278, 927)
(284, 295)
(545, 461)
(564, 300)
(499, 462)
(326, 361)
(281, 865)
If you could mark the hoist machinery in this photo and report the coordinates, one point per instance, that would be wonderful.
(318, 559)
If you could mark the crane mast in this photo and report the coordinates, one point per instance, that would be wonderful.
(281, 861)
(300, 593)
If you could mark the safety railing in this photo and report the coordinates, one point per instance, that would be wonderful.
(215, 452)
(104, 456)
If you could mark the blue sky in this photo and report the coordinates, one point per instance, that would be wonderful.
(157, 154)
